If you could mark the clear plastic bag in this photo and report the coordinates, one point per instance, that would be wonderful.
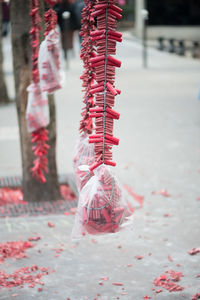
(101, 207)
(49, 61)
(83, 158)
(37, 111)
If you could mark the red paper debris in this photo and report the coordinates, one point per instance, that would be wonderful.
(161, 192)
(196, 296)
(51, 224)
(11, 196)
(139, 257)
(194, 251)
(170, 258)
(168, 281)
(34, 238)
(104, 278)
(14, 249)
(159, 291)
(22, 276)
(147, 297)
(138, 198)
(117, 283)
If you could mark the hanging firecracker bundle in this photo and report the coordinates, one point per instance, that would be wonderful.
(37, 113)
(84, 153)
(51, 75)
(101, 207)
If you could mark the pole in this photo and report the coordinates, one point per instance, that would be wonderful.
(144, 14)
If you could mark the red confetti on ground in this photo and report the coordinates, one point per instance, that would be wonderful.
(34, 238)
(11, 196)
(159, 291)
(198, 198)
(104, 278)
(51, 224)
(161, 192)
(14, 250)
(129, 265)
(196, 296)
(170, 258)
(94, 241)
(139, 257)
(22, 276)
(198, 275)
(138, 198)
(168, 281)
(117, 283)
(194, 251)
(15, 196)
(147, 297)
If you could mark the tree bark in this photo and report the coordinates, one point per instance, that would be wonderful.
(3, 90)
(32, 189)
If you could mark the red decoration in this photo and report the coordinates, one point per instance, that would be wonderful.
(16, 249)
(168, 281)
(40, 149)
(87, 52)
(104, 64)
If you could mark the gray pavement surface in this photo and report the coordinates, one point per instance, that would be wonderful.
(159, 149)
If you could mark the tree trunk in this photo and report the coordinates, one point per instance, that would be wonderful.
(3, 90)
(32, 189)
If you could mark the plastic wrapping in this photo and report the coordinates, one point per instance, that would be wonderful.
(83, 158)
(101, 207)
(51, 74)
(37, 112)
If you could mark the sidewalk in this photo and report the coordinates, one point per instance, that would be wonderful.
(159, 149)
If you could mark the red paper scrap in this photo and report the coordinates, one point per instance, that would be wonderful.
(15, 249)
(139, 257)
(147, 297)
(22, 276)
(104, 278)
(170, 258)
(194, 251)
(117, 283)
(198, 198)
(161, 192)
(34, 238)
(196, 296)
(51, 224)
(138, 198)
(159, 291)
(129, 265)
(168, 281)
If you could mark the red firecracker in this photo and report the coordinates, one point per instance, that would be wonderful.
(84, 153)
(37, 112)
(101, 207)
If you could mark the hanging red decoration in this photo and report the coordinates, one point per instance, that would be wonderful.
(101, 207)
(37, 113)
(104, 63)
(84, 153)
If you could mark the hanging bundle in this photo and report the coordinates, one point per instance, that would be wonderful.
(101, 207)
(105, 63)
(37, 113)
(51, 75)
(84, 153)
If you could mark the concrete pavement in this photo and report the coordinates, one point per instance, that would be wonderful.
(159, 149)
